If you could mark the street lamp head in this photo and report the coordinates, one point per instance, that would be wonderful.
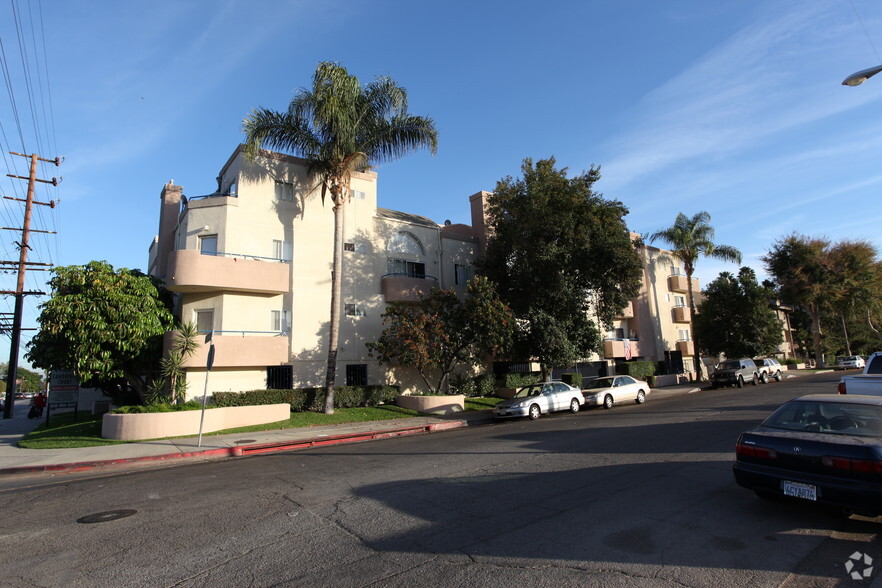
(858, 78)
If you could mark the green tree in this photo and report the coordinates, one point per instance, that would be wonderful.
(340, 126)
(690, 239)
(734, 317)
(105, 325)
(856, 281)
(800, 266)
(559, 253)
(443, 332)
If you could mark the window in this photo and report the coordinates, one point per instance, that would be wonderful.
(356, 374)
(279, 377)
(354, 310)
(208, 244)
(683, 334)
(233, 190)
(348, 246)
(284, 191)
(676, 271)
(620, 333)
(405, 242)
(282, 250)
(280, 320)
(357, 195)
(402, 267)
(679, 301)
(205, 321)
(462, 274)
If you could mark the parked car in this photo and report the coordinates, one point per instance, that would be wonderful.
(869, 382)
(734, 372)
(851, 362)
(538, 399)
(768, 368)
(822, 448)
(609, 390)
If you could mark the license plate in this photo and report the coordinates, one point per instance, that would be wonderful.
(805, 491)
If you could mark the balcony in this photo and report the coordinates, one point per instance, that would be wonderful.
(191, 271)
(615, 348)
(681, 284)
(238, 349)
(627, 312)
(687, 348)
(681, 314)
(407, 287)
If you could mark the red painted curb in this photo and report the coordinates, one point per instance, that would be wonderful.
(238, 451)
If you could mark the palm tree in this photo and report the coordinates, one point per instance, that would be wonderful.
(340, 126)
(691, 238)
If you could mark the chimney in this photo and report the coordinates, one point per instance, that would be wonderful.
(169, 210)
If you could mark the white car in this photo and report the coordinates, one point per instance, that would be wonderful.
(851, 362)
(538, 399)
(609, 390)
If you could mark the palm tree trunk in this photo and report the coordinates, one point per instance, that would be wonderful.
(336, 288)
(697, 359)
(815, 313)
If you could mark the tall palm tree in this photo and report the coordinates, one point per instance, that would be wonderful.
(340, 126)
(689, 239)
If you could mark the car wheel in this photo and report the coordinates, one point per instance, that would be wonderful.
(764, 378)
(755, 380)
(641, 397)
(574, 405)
(740, 382)
(535, 413)
(608, 401)
(778, 376)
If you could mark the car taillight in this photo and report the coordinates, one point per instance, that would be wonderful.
(859, 466)
(754, 451)
(841, 388)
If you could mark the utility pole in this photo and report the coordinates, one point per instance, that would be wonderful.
(19, 292)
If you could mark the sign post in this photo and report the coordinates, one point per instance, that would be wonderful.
(209, 363)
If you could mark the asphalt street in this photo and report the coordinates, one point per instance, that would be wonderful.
(636, 495)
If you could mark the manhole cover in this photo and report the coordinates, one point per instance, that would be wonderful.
(103, 517)
(244, 441)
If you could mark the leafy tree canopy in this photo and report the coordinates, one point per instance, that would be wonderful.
(443, 332)
(734, 318)
(105, 325)
(559, 252)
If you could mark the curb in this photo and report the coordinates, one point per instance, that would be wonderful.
(239, 451)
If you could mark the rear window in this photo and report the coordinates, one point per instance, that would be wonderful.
(875, 366)
(838, 418)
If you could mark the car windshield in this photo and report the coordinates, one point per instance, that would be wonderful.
(837, 418)
(528, 391)
(600, 383)
(730, 365)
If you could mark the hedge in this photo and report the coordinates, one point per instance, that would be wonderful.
(637, 369)
(518, 380)
(310, 399)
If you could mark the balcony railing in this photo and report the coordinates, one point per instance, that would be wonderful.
(681, 314)
(238, 349)
(407, 287)
(624, 348)
(190, 270)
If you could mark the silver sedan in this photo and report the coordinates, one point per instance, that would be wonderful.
(538, 399)
(609, 390)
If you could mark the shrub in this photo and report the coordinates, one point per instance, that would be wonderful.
(461, 384)
(574, 380)
(792, 361)
(637, 369)
(485, 385)
(310, 399)
(159, 407)
(518, 380)
(650, 380)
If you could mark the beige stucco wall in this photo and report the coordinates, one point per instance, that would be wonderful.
(134, 427)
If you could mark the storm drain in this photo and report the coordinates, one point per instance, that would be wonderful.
(103, 517)
(245, 441)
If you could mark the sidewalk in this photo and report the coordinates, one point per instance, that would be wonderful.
(14, 460)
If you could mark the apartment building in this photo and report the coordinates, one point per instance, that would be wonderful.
(252, 263)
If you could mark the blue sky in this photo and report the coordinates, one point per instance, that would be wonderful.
(731, 107)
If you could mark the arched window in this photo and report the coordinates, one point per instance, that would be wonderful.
(405, 242)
